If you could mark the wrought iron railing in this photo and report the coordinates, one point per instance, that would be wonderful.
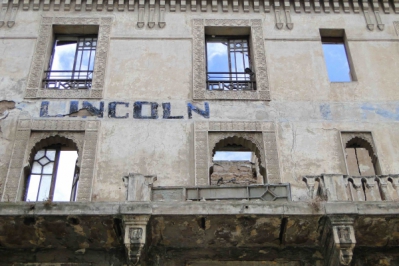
(66, 80)
(228, 81)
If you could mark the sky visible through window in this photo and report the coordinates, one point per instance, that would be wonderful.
(232, 156)
(337, 62)
(65, 174)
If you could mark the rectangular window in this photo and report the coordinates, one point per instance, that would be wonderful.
(336, 56)
(72, 62)
(229, 63)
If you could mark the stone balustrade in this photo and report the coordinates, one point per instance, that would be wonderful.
(335, 187)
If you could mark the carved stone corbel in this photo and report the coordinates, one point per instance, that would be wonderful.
(46, 5)
(151, 15)
(14, 10)
(287, 11)
(310, 183)
(297, 6)
(356, 7)
(370, 184)
(306, 5)
(99, 5)
(358, 186)
(365, 5)
(214, 5)
(134, 231)
(110, 5)
(256, 6)
(225, 5)
(395, 182)
(336, 6)
(204, 5)
(279, 24)
(4, 8)
(140, 21)
(130, 5)
(89, 5)
(172, 5)
(121, 5)
(385, 6)
(67, 5)
(235, 5)
(138, 186)
(376, 8)
(193, 5)
(317, 7)
(339, 240)
(396, 6)
(326, 5)
(25, 5)
(266, 6)
(346, 6)
(161, 22)
(183, 5)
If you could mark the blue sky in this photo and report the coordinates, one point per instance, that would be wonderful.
(336, 62)
(232, 156)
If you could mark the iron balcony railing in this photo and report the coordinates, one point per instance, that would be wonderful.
(66, 79)
(228, 81)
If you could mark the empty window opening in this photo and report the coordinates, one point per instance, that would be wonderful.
(54, 175)
(229, 63)
(360, 158)
(236, 162)
(336, 56)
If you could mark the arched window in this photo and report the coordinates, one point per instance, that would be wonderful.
(236, 161)
(54, 173)
(360, 157)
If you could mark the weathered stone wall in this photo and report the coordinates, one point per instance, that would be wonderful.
(156, 65)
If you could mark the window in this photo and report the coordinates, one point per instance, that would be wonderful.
(72, 62)
(336, 56)
(54, 175)
(229, 63)
(67, 62)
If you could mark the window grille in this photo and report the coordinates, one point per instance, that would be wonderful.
(72, 63)
(229, 64)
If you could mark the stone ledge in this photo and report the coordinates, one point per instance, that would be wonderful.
(200, 208)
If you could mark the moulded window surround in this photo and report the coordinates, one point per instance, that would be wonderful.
(231, 87)
(35, 135)
(336, 56)
(53, 84)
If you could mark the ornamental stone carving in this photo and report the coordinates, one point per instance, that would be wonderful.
(34, 85)
(200, 91)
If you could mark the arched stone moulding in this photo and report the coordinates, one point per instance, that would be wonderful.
(30, 132)
(262, 134)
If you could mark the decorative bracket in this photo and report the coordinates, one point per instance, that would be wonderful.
(134, 228)
(339, 240)
(140, 22)
(14, 9)
(279, 24)
(287, 8)
(161, 22)
(376, 7)
(366, 10)
(151, 16)
(3, 11)
(138, 186)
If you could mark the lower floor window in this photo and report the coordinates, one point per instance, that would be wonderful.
(54, 175)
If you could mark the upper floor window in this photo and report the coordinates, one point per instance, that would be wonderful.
(54, 175)
(229, 63)
(336, 56)
(72, 62)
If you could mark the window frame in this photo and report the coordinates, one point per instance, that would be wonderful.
(58, 149)
(251, 81)
(77, 39)
(43, 52)
(338, 36)
(258, 56)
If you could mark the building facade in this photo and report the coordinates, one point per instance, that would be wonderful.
(113, 112)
